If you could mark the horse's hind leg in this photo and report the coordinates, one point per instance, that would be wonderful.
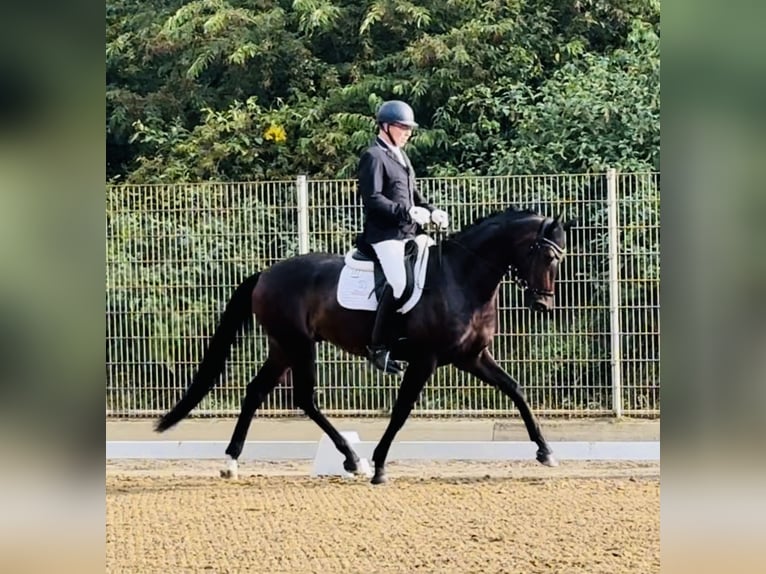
(304, 382)
(485, 368)
(257, 390)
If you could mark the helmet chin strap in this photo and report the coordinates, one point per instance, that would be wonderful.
(387, 131)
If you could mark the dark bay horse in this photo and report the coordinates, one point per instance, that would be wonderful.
(454, 323)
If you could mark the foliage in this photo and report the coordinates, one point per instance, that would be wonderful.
(498, 86)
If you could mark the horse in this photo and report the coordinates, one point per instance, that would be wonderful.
(294, 301)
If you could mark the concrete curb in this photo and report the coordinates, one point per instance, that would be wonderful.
(406, 450)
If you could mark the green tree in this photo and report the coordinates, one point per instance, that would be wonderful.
(498, 86)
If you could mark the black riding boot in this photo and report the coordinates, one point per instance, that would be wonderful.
(378, 352)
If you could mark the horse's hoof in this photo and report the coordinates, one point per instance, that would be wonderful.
(351, 465)
(547, 458)
(379, 478)
(363, 468)
(231, 470)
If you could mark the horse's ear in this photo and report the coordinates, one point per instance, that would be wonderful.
(567, 225)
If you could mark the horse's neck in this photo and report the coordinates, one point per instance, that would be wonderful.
(476, 269)
(500, 242)
(483, 256)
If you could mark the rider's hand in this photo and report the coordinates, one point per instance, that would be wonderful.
(440, 218)
(420, 215)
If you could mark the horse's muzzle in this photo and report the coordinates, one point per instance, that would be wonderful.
(538, 302)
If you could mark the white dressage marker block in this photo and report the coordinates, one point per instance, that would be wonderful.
(329, 462)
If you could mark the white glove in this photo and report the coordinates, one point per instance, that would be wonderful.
(420, 215)
(440, 218)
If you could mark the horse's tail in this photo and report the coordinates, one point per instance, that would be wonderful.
(236, 318)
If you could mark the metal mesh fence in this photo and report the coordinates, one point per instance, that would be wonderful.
(175, 254)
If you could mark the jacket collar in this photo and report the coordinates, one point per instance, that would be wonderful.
(389, 151)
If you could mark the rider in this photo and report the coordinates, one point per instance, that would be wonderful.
(393, 211)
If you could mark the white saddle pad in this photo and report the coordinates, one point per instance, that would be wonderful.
(356, 286)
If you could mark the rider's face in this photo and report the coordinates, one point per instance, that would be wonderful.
(400, 134)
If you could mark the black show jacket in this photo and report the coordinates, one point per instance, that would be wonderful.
(388, 192)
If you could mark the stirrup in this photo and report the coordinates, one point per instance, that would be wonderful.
(380, 357)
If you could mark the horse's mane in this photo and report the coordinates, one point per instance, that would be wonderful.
(512, 213)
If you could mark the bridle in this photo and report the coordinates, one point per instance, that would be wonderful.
(540, 242)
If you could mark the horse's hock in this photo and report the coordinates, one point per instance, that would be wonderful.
(477, 517)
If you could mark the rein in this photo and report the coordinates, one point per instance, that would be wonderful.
(540, 242)
(491, 266)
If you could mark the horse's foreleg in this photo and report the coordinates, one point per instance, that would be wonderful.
(414, 380)
(485, 368)
(304, 382)
(257, 391)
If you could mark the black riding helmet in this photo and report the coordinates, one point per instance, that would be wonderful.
(396, 112)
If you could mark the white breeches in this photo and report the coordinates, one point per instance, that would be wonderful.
(391, 256)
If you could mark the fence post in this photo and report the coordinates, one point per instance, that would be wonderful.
(614, 291)
(302, 187)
